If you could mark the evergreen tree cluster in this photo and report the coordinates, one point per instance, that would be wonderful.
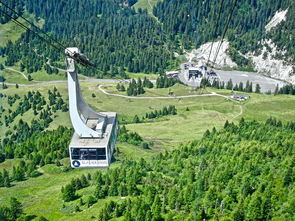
(16, 6)
(248, 87)
(23, 52)
(37, 149)
(5, 180)
(135, 88)
(191, 23)
(131, 138)
(282, 36)
(165, 82)
(42, 109)
(120, 87)
(115, 37)
(241, 172)
(50, 70)
(286, 89)
(230, 86)
(31, 100)
(11, 212)
(19, 173)
(170, 110)
(69, 191)
(147, 83)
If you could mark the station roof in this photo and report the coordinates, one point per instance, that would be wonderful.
(79, 142)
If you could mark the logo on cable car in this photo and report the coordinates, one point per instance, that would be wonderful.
(76, 163)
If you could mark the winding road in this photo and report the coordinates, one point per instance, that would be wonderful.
(100, 87)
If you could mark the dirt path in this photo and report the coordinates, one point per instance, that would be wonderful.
(22, 73)
(240, 113)
(100, 87)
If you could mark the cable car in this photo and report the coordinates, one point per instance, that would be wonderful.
(93, 142)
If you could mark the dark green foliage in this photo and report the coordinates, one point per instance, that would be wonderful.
(120, 87)
(282, 35)
(42, 218)
(170, 110)
(68, 193)
(90, 201)
(245, 170)
(192, 22)
(129, 137)
(239, 59)
(147, 83)
(115, 37)
(286, 89)
(136, 119)
(4, 86)
(257, 88)
(230, 86)
(12, 212)
(48, 146)
(135, 88)
(206, 83)
(32, 100)
(165, 82)
(2, 79)
(4, 179)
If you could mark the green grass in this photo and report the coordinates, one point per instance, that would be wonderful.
(43, 76)
(11, 31)
(13, 77)
(42, 196)
(176, 90)
(146, 4)
(142, 75)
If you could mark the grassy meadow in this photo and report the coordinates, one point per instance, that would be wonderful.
(146, 4)
(42, 195)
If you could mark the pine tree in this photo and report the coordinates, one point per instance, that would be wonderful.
(257, 89)
(136, 119)
(68, 193)
(15, 209)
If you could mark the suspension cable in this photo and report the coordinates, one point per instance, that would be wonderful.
(61, 47)
(28, 29)
(225, 30)
(215, 29)
(33, 25)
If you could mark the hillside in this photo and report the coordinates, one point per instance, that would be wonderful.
(35, 157)
(240, 172)
(173, 26)
(222, 151)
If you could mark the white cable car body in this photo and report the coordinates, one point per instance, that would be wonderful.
(94, 139)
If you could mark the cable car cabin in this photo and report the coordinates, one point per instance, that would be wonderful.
(95, 152)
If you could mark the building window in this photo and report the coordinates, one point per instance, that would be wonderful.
(88, 153)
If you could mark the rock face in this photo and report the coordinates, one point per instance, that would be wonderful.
(277, 18)
(266, 63)
(201, 54)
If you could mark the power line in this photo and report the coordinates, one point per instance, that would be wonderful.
(32, 24)
(215, 29)
(225, 30)
(28, 29)
(79, 58)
